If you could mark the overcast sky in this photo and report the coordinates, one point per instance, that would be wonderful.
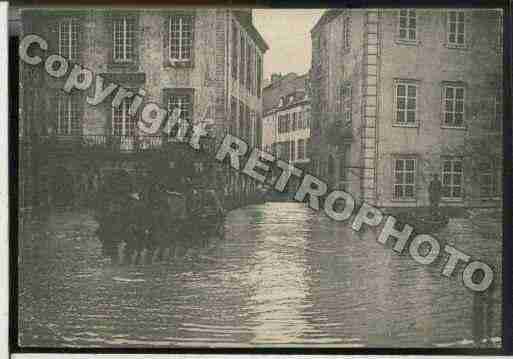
(287, 32)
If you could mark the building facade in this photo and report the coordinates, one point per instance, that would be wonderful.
(400, 95)
(286, 121)
(206, 62)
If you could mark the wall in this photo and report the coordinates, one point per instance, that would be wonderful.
(430, 61)
(208, 77)
(331, 66)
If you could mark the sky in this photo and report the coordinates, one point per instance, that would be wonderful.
(287, 32)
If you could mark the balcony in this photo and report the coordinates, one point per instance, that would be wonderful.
(72, 144)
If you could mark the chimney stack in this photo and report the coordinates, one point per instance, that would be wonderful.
(245, 16)
(275, 77)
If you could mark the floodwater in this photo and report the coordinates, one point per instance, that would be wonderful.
(282, 275)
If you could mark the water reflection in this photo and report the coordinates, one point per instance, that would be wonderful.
(282, 275)
(277, 274)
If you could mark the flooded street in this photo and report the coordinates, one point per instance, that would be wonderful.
(283, 274)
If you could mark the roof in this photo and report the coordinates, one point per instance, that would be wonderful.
(289, 84)
(326, 17)
(253, 32)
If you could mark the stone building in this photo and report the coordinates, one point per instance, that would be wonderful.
(207, 62)
(286, 121)
(399, 95)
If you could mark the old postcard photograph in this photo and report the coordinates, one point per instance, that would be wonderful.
(195, 177)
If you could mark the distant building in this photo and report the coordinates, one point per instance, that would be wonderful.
(286, 121)
(399, 95)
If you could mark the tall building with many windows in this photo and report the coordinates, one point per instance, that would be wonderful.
(205, 62)
(399, 95)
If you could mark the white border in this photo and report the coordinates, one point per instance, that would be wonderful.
(236, 356)
(4, 188)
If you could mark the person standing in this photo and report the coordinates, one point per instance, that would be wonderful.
(435, 193)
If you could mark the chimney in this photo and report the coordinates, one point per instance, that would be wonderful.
(245, 16)
(275, 77)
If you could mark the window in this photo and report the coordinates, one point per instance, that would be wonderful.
(123, 124)
(347, 33)
(235, 50)
(68, 115)
(68, 39)
(408, 25)
(242, 67)
(456, 27)
(294, 122)
(180, 38)
(489, 180)
(346, 102)
(183, 101)
(124, 39)
(404, 184)
(452, 178)
(300, 149)
(496, 124)
(454, 106)
(406, 103)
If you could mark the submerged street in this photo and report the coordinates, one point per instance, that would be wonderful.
(282, 275)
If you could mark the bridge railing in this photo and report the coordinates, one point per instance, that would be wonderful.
(111, 143)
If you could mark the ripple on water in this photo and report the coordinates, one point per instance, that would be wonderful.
(282, 276)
